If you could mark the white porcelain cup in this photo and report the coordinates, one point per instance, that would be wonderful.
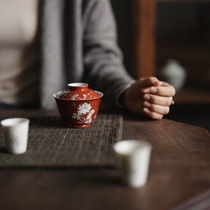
(16, 134)
(134, 158)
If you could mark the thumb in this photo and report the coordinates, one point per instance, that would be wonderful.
(148, 82)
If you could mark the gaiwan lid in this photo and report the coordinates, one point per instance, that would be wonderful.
(78, 91)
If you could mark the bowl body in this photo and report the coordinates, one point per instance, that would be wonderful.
(78, 113)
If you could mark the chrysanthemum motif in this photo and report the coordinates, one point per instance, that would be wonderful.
(84, 113)
(84, 108)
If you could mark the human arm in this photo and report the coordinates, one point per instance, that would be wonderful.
(104, 68)
(103, 60)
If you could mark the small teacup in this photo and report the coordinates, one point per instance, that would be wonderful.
(16, 134)
(134, 158)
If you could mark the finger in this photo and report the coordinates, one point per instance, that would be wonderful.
(150, 89)
(152, 115)
(148, 82)
(160, 100)
(167, 91)
(163, 110)
(166, 84)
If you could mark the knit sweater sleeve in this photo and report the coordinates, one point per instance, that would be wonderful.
(103, 60)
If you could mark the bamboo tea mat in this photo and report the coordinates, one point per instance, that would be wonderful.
(50, 144)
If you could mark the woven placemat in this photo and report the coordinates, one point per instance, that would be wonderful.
(50, 144)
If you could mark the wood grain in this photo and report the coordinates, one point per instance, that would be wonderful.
(179, 171)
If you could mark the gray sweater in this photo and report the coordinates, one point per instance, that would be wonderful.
(79, 44)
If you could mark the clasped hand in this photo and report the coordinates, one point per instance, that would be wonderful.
(149, 96)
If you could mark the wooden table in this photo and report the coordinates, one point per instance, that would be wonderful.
(179, 171)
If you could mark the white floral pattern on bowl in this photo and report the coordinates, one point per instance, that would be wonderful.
(84, 113)
(84, 96)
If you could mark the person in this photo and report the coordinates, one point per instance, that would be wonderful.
(46, 44)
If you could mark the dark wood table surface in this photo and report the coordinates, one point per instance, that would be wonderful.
(179, 174)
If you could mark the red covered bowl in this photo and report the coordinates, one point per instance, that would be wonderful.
(78, 106)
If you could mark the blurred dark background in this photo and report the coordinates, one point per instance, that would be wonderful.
(182, 33)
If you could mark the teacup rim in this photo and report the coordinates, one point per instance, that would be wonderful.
(56, 96)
